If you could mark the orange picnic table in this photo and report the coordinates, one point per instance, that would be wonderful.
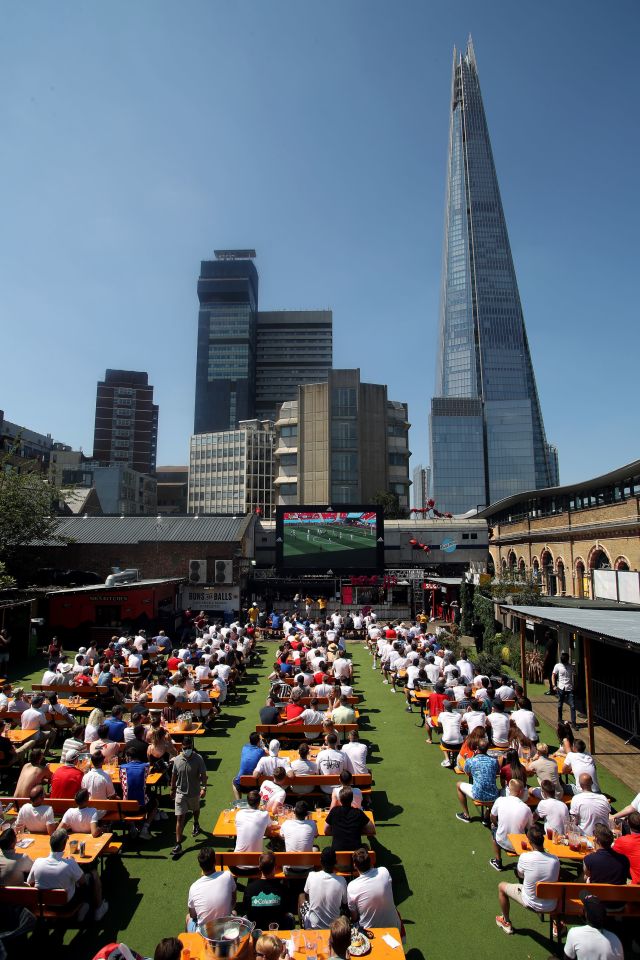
(226, 822)
(560, 850)
(39, 846)
(295, 943)
(21, 736)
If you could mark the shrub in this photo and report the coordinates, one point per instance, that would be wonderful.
(466, 606)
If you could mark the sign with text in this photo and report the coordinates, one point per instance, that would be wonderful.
(210, 598)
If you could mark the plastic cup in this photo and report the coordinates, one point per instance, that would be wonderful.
(311, 946)
(73, 846)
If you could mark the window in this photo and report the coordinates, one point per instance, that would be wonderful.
(289, 459)
(288, 489)
(344, 402)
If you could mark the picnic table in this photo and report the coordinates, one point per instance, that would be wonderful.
(294, 939)
(560, 850)
(20, 736)
(291, 755)
(175, 730)
(95, 846)
(79, 705)
(226, 823)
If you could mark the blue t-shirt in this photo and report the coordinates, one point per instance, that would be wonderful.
(116, 729)
(484, 770)
(133, 776)
(249, 756)
(275, 621)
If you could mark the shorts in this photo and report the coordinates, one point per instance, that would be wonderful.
(467, 789)
(514, 892)
(185, 804)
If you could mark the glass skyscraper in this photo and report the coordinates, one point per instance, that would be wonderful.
(486, 430)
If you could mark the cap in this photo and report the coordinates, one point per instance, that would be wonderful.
(82, 650)
(274, 748)
(71, 756)
(594, 910)
(66, 667)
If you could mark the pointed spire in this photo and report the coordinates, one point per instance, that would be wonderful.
(471, 55)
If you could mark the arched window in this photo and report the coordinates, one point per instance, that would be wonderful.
(582, 583)
(548, 576)
(512, 561)
(522, 568)
(622, 564)
(561, 579)
(536, 569)
(504, 566)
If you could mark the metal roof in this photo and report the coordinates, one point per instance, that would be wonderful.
(620, 473)
(621, 625)
(117, 587)
(167, 529)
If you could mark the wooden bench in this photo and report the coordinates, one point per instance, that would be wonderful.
(116, 810)
(85, 691)
(306, 701)
(344, 867)
(129, 705)
(317, 780)
(47, 905)
(569, 905)
(298, 731)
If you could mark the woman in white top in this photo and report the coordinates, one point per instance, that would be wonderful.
(96, 717)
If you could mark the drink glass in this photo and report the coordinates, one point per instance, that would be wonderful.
(274, 927)
(73, 846)
(525, 844)
(550, 834)
(311, 945)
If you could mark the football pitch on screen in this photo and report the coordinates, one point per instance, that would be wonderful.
(304, 543)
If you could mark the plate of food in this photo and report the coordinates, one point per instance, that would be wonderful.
(359, 945)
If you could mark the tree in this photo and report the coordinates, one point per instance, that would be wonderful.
(6, 582)
(27, 509)
(390, 503)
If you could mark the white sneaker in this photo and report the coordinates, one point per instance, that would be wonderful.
(100, 912)
(393, 689)
(386, 681)
(445, 763)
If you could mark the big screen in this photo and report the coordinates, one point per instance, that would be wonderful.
(320, 540)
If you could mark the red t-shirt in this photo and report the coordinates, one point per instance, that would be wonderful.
(293, 710)
(630, 847)
(173, 663)
(436, 703)
(65, 783)
(390, 634)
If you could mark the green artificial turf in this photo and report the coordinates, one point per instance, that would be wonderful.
(444, 887)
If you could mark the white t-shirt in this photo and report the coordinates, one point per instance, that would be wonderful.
(298, 835)
(370, 895)
(588, 943)
(465, 668)
(475, 718)
(271, 794)
(99, 784)
(582, 763)
(327, 894)
(432, 670)
(525, 720)
(159, 693)
(357, 754)
(450, 723)
(357, 796)
(504, 692)
(412, 674)
(563, 674)
(513, 815)
(211, 896)
(33, 719)
(589, 809)
(342, 668)
(250, 829)
(330, 762)
(499, 723)
(535, 867)
(554, 814)
(35, 819)
(266, 766)
(635, 803)
(79, 821)
(55, 872)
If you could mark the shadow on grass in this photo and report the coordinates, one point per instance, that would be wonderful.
(383, 808)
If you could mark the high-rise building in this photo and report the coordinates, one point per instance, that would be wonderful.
(421, 485)
(126, 427)
(231, 471)
(292, 347)
(248, 362)
(341, 442)
(487, 435)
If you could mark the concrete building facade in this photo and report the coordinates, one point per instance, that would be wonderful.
(231, 472)
(561, 535)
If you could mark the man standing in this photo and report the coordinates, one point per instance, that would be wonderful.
(188, 787)
(562, 680)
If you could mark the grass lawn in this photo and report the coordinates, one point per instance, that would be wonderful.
(444, 887)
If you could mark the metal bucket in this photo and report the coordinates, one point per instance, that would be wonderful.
(226, 937)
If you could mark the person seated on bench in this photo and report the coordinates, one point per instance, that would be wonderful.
(498, 724)
(544, 769)
(270, 714)
(605, 865)
(325, 894)
(82, 818)
(17, 703)
(346, 824)
(370, 895)
(35, 719)
(250, 755)
(589, 808)
(108, 748)
(343, 713)
(310, 716)
(346, 780)
(302, 767)
(592, 940)
(630, 845)
(450, 722)
(299, 835)
(274, 792)
(534, 867)
(34, 772)
(36, 816)
(57, 872)
(212, 895)
(95, 721)
(97, 781)
(67, 779)
(14, 865)
(8, 752)
(509, 814)
(484, 770)
(356, 752)
(267, 766)
(578, 761)
(552, 812)
(332, 760)
(252, 825)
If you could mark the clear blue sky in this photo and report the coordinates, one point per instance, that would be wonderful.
(137, 137)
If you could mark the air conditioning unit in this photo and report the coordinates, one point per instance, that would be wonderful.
(224, 571)
(197, 571)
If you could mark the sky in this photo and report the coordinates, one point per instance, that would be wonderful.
(139, 137)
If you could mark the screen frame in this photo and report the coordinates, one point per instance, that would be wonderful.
(283, 568)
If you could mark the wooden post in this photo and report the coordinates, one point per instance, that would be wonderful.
(523, 665)
(588, 692)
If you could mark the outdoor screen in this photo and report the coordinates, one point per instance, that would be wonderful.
(337, 540)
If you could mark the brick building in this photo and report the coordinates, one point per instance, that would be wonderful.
(159, 547)
(562, 535)
(126, 427)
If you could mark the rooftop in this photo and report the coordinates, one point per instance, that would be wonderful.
(165, 529)
(620, 625)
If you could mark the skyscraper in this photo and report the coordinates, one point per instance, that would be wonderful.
(250, 362)
(487, 435)
(126, 425)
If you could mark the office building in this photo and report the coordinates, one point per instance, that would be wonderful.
(26, 450)
(231, 471)
(341, 442)
(486, 430)
(121, 490)
(249, 362)
(420, 486)
(126, 427)
(173, 485)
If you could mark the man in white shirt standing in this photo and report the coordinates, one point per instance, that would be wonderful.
(533, 867)
(213, 895)
(563, 678)
(509, 814)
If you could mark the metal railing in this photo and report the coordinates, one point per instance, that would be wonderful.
(616, 707)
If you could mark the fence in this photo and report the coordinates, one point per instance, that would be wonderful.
(616, 707)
